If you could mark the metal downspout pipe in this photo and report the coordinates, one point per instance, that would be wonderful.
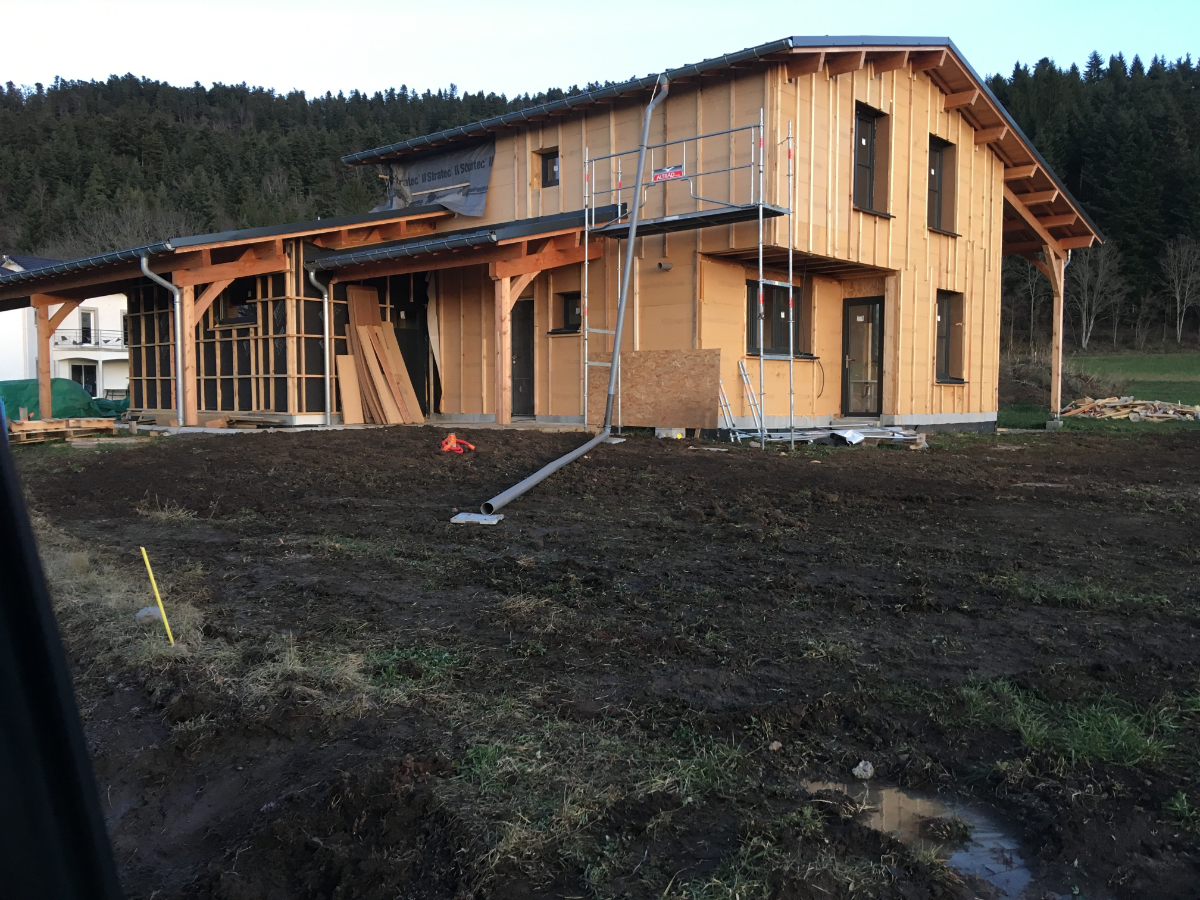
(505, 497)
(324, 289)
(179, 335)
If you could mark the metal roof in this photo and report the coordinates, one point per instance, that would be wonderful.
(199, 240)
(455, 240)
(28, 262)
(796, 42)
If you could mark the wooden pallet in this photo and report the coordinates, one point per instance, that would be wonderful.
(34, 430)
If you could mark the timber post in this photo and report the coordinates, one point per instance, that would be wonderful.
(503, 391)
(187, 325)
(46, 326)
(43, 361)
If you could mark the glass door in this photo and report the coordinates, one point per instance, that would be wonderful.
(862, 353)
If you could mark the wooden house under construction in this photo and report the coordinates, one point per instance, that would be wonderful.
(822, 226)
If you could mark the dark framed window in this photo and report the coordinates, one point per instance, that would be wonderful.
(572, 310)
(949, 350)
(941, 185)
(775, 318)
(87, 324)
(567, 316)
(549, 160)
(871, 148)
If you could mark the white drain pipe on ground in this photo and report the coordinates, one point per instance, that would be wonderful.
(505, 497)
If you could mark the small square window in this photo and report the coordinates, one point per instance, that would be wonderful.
(549, 168)
(568, 317)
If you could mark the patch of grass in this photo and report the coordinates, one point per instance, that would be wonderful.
(1106, 730)
(396, 665)
(1179, 811)
(1143, 366)
(952, 829)
(1084, 594)
(1171, 391)
(169, 513)
(1022, 415)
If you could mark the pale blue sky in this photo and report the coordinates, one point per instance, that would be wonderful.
(514, 47)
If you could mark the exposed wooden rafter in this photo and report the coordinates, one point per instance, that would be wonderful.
(961, 99)
(842, 63)
(991, 135)
(1021, 173)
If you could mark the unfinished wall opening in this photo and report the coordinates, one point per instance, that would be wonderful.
(872, 142)
(941, 204)
(775, 318)
(151, 324)
(949, 350)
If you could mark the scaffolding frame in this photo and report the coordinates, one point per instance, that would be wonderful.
(668, 163)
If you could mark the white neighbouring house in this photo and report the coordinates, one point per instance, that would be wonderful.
(89, 347)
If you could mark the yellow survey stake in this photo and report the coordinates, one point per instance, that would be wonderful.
(166, 624)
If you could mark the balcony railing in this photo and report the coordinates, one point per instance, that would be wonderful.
(90, 338)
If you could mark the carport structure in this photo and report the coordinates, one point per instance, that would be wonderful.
(247, 293)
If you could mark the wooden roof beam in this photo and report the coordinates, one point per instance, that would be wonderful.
(1033, 198)
(888, 62)
(1077, 243)
(1059, 221)
(924, 60)
(804, 64)
(1020, 173)
(842, 63)
(961, 99)
(1019, 207)
(991, 135)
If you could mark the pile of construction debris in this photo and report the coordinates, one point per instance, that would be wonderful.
(1133, 410)
(373, 379)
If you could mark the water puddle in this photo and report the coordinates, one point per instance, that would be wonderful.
(924, 821)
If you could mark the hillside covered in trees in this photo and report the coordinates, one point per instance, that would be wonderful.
(90, 166)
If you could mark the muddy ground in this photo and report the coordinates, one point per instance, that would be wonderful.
(622, 689)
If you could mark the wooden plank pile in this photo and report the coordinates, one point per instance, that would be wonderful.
(1133, 410)
(374, 381)
(31, 431)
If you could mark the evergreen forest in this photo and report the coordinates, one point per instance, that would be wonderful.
(87, 166)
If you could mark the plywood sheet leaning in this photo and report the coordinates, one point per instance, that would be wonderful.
(352, 410)
(399, 369)
(371, 339)
(383, 390)
(363, 308)
(661, 388)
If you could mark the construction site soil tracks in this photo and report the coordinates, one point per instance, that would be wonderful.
(623, 688)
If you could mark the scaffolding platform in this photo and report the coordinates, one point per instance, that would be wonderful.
(690, 221)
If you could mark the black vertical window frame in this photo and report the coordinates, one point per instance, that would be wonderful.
(775, 319)
(550, 169)
(936, 170)
(864, 162)
(943, 337)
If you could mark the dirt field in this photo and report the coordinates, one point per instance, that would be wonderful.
(622, 689)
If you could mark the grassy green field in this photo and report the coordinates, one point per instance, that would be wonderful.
(1174, 377)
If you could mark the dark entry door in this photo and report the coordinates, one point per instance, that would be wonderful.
(522, 358)
(409, 317)
(862, 354)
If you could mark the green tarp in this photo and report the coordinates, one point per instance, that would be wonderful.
(68, 400)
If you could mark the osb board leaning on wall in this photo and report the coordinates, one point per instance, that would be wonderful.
(661, 388)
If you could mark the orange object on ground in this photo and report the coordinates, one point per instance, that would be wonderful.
(454, 445)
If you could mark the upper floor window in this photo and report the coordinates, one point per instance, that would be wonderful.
(549, 159)
(87, 326)
(941, 184)
(872, 141)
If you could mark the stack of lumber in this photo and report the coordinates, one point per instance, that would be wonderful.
(374, 381)
(33, 430)
(1133, 410)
